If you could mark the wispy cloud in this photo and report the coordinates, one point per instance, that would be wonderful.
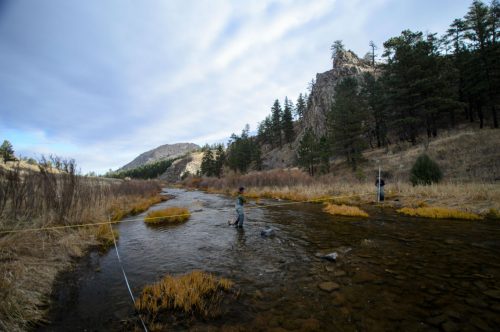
(105, 81)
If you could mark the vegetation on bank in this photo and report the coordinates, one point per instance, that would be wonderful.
(44, 198)
(168, 215)
(197, 293)
(439, 213)
(299, 186)
(344, 210)
(148, 171)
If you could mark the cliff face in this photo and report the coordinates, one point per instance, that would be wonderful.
(345, 64)
(167, 151)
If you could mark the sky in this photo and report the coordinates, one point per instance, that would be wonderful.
(103, 81)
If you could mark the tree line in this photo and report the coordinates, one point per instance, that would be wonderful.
(425, 84)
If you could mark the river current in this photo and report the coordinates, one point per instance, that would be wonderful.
(392, 273)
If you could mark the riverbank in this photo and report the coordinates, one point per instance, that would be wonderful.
(478, 198)
(30, 261)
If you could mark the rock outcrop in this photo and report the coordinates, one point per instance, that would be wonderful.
(167, 151)
(345, 64)
(191, 163)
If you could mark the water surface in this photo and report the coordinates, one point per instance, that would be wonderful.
(393, 272)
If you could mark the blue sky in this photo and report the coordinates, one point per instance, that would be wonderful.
(103, 81)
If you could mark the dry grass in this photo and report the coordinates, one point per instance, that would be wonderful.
(104, 235)
(30, 261)
(168, 215)
(344, 210)
(194, 294)
(439, 213)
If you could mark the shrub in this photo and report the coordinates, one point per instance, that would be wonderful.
(425, 171)
(170, 215)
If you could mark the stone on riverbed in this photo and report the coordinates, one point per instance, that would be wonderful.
(328, 286)
(268, 232)
(331, 257)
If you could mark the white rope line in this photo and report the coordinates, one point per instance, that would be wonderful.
(125, 276)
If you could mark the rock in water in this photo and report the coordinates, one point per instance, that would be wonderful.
(328, 286)
(268, 232)
(331, 257)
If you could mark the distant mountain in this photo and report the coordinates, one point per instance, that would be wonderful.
(167, 151)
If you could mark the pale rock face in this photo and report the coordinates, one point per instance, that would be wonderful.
(194, 166)
(167, 151)
(345, 64)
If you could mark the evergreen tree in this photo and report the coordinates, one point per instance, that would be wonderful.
(481, 29)
(373, 98)
(425, 171)
(287, 122)
(373, 55)
(220, 158)
(276, 123)
(7, 151)
(208, 163)
(243, 152)
(307, 152)
(300, 107)
(264, 131)
(324, 153)
(337, 48)
(345, 121)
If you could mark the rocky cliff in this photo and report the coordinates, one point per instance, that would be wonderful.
(345, 64)
(167, 151)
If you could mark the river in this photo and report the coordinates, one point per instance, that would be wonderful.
(392, 272)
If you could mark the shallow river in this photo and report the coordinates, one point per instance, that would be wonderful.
(392, 274)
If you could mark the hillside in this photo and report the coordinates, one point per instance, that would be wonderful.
(466, 155)
(166, 151)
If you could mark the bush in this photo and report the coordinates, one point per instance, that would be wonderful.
(425, 171)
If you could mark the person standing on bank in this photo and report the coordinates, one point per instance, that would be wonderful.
(240, 201)
(380, 188)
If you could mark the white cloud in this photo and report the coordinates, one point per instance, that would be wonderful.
(115, 79)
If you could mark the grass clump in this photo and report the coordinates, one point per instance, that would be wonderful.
(169, 215)
(439, 213)
(493, 214)
(197, 293)
(344, 210)
(105, 237)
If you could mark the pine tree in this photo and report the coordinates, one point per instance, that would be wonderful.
(373, 98)
(208, 163)
(300, 107)
(345, 121)
(307, 152)
(276, 119)
(481, 25)
(7, 151)
(220, 158)
(372, 54)
(337, 48)
(324, 153)
(287, 122)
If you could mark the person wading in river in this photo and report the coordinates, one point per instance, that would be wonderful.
(380, 189)
(240, 201)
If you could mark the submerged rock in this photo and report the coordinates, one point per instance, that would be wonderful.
(268, 232)
(331, 257)
(328, 286)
